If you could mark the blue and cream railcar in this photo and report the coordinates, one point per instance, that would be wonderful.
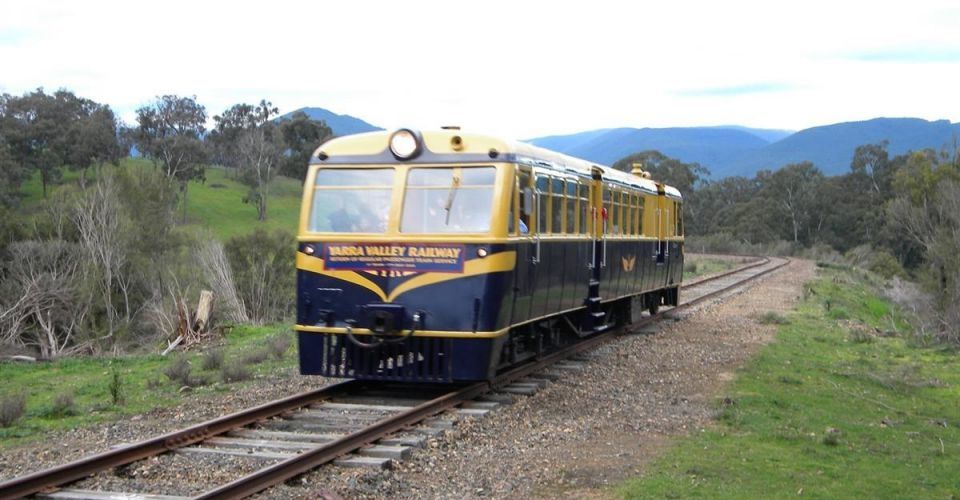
(448, 256)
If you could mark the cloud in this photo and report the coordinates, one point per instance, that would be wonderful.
(909, 55)
(737, 90)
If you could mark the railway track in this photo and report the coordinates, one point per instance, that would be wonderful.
(352, 423)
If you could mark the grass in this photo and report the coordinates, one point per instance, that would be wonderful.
(698, 265)
(820, 414)
(216, 204)
(93, 384)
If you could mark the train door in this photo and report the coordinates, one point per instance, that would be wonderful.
(594, 319)
(528, 248)
(663, 250)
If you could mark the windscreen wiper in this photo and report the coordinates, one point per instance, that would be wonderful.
(454, 185)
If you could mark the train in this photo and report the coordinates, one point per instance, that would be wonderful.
(444, 256)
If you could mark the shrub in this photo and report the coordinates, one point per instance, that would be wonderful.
(255, 357)
(63, 405)
(773, 318)
(278, 345)
(178, 371)
(116, 388)
(886, 265)
(213, 359)
(690, 267)
(12, 407)
(264, 273)
(235, 372)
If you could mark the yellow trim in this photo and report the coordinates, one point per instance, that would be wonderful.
(503, 261)
(424, 333)
(315, 265)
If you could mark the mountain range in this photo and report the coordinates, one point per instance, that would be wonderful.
(726, 150)
(340, 124)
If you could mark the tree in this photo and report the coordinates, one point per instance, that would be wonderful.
(686, 177)
(249, 141)
(36, 127)
(170, 132)
(93, 137)
(793, 190)
(302, 136)
(683, 176)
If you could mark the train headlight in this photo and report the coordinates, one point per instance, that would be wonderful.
(405, 144)
(481, 252)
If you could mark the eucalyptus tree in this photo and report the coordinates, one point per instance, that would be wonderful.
(251, 142)
(170, 132)
(302, 135)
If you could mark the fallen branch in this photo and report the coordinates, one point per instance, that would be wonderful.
(173, 345)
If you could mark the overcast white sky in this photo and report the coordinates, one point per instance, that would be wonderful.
(515, 68)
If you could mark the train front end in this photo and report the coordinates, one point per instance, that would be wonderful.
(402, 263)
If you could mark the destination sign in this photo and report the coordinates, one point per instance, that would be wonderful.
(410, 257)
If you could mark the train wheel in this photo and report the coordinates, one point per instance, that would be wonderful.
(653, 303)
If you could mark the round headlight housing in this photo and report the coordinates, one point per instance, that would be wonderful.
(405, 144)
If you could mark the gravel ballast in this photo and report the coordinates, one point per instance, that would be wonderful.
(589, 428)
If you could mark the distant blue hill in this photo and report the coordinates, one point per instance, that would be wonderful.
(340, 124)
(733, 150)
(831, 147)
(707, 146)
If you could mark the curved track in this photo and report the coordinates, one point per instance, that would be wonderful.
(302, 432)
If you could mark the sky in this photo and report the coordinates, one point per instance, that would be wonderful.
(518, 69)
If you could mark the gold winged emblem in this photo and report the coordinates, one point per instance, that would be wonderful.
(629, 262)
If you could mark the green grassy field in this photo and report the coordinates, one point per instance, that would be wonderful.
(216, 204)
(142, 381)
(840, 406)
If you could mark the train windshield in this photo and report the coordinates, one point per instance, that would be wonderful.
(354, 200)
(448, 200)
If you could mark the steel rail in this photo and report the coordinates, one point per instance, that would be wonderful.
(308, 460)
(282, 471)
(79, 469)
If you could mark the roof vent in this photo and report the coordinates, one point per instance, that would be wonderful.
(638, 171)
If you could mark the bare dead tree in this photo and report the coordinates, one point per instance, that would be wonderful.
(219, 277)
(100, 223)
(50, 308)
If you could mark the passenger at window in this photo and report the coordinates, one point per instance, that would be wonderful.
(342, 220)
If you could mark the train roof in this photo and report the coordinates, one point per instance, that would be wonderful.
(456, 146)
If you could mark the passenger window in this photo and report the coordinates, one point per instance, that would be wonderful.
(556, 194)
(679, 211)
(627, 214)
(543, 211)
(615, 222)
(607, 196)
(523, 182)
(584, 207)
(571, 206)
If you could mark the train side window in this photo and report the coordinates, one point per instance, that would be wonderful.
(615, 222)
(556, 195)
(628, 214)
(635, 202)
(643, 201)
(523, 182)
(679, 211)
(543, 211)
(571, 200)
(514, 204)
(584, 206)
(607, 196)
